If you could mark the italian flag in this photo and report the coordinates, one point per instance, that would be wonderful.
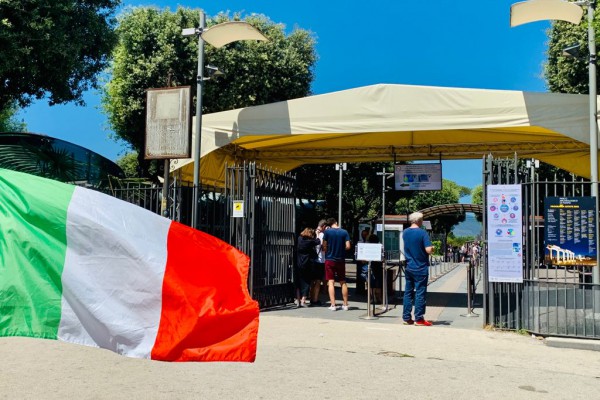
(83, 267)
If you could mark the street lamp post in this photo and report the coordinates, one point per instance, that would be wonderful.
(538, 10)
(218, 36)
(340, 167)
(197, 144)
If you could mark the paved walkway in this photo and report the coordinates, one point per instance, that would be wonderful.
(332, 355)
(446, 304)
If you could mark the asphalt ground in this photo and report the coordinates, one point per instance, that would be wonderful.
(314, 353)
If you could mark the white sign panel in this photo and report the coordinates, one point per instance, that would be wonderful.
(368, 251)
(505, 233)
(168, 123)
(238, 209)
(418, 176)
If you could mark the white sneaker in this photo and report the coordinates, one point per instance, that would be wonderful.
(333, 307)
(345, 308)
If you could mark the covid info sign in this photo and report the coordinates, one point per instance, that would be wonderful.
(505, 233)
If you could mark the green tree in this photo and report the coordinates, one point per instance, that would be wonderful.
(568, 74)
(318, 186)
(53, 48)
(477, 198)
(477, 195)
(129, 164)
(9, 121)
(151, 48)
(548, 172)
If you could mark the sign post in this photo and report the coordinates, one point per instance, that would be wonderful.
(369, 252)
(168, 129)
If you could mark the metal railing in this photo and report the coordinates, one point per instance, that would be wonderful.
(438, 267)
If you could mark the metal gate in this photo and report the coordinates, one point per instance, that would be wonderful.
(553, 299)
(262, 226)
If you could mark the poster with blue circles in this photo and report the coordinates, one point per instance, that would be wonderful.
(505, 233)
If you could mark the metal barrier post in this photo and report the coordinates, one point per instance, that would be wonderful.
(370, 310)
(470, 312)
(384, 295)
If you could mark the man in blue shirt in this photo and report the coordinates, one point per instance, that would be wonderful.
(335, 243)
(417, 248)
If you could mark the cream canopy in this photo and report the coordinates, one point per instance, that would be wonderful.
(401, 122)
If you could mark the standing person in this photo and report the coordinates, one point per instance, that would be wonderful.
(417, 248)
(475, 254)
(319, 266)
(307, 254)
(463, 252)
(335, 243)
(450, 257)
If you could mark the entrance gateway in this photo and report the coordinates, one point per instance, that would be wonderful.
(555, 294)
(403, 122)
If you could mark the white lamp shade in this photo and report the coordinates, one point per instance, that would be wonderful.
(539, 10)
(227, 32)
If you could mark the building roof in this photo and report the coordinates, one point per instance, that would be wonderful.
(397, 123)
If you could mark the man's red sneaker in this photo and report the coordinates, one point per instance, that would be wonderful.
(408, 322)
(423, 322)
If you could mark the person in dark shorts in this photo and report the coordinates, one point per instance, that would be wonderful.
(335, 243)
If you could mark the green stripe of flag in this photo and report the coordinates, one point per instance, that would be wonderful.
(33, 214)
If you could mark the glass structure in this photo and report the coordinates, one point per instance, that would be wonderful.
(55, 159)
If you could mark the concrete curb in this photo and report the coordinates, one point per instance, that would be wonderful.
(570, 343)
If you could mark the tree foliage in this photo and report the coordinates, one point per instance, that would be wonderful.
(548, 172)
(567, 74)
(477, 198)
(9, 121)
(53, 48)
(151, 48)
(318, 186)
(129, 164)
(477, 195)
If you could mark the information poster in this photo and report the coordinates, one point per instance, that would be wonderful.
(570, 230)
(369, 251)
(505, 233)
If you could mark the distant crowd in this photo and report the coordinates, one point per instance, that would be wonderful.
(465, 253)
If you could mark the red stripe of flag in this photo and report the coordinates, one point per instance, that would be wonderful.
(207, 312)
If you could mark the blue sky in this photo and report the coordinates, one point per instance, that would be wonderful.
(466, 43)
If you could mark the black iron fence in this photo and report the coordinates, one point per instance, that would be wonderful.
(262, 226)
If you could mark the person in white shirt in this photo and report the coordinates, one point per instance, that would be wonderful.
(319, 267)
